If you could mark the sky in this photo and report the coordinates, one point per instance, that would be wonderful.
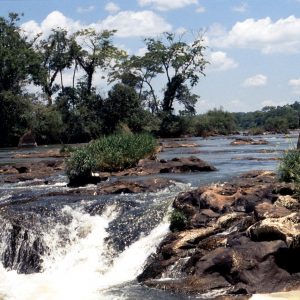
(253, 46)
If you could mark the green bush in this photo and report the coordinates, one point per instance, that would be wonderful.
(178, 220)
(81, 164)
(110, 153)
(289, 168)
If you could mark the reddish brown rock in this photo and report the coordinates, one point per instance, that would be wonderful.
(239, 238)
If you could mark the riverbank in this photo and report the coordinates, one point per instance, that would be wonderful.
(236, 238)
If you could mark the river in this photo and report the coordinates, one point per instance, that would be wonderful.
(56, 247)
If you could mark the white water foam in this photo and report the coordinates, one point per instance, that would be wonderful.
(82, 269)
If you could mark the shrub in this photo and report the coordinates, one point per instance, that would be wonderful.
(110, 153)
(66, 149)
(178, 220)
(289, 168)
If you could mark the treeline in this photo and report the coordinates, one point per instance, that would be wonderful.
(64, 69)
(279, 119)
(68, 108)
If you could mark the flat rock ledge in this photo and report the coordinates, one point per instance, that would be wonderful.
(29, 171)
(231, 240)
(150, 167)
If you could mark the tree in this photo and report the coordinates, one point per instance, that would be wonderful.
(182, 63)
(94, 50)
(80, 111)
(138, 72)
(56, 55)
(19, 65)
(122, 106)
(18, 61)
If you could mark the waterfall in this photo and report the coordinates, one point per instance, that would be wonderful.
(81, 250)
(83, 268)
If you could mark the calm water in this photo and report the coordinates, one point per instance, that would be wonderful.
(95, 246)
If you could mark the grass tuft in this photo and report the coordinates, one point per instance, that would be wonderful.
(111, 153)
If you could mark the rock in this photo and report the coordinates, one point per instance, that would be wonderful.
(149, 167)
(285, 228)
(43, 154)
(248, 141)
(288, 202)
(180, 145)
(241, 237)
(27, 140)
(30, 171)
(129, 187)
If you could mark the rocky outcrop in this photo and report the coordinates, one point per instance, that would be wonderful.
(30, 171)
(149, 167)
(248, 141)
(236, 238)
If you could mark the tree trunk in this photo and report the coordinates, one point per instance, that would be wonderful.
(170, 93)
(89, 81)
(298, 143)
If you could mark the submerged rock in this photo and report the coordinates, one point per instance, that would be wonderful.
(238, 239)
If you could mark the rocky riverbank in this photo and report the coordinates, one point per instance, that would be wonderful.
(236, 239)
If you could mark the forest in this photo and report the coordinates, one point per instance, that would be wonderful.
(48, 87)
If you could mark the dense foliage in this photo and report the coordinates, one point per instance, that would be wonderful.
(69, 109)
(111, 153)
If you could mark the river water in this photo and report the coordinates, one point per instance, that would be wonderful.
(56, 247)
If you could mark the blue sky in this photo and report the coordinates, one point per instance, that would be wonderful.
(253, 46)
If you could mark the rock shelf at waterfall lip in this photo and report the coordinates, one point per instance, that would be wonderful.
(241, 236)
(30, 171)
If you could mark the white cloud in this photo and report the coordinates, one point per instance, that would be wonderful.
(256, 80)
(142, 23)
(167, 4)
(271, 102)
(82, 10)
(263, 34)
(241, 8)
(200, 9)
(181, 30)
(54, 20)
(295, 84)
(112, 7)
(127, 24)
(219, 61)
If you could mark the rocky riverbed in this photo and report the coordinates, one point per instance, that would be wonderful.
(237, 238)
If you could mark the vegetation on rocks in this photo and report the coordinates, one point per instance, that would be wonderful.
(178, 220)
(289, 169)
(110, 153)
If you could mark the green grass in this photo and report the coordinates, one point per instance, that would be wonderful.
(111, 153)
(289, 168)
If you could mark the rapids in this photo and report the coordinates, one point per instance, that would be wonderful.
(56, 247)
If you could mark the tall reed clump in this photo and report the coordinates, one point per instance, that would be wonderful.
(289, 168)
(111, 153)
